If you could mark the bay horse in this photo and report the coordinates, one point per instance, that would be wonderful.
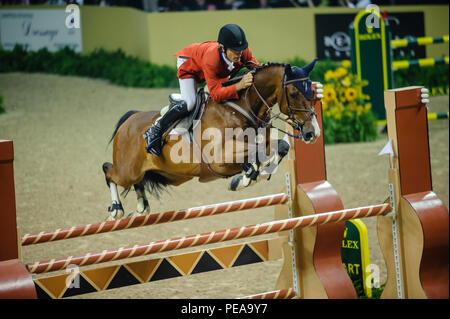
(273, 83)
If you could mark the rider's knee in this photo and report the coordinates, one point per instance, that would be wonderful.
(190, 103)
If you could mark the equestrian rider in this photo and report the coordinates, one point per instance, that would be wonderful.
(209, 61)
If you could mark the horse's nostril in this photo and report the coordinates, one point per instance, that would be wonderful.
(309, 136)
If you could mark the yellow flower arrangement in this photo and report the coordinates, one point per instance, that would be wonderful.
(343, 92)
(329, 93)
(340, 72)
(329, 75)
(351, 94)
(346, 81)
(346, 109)
(346, 64)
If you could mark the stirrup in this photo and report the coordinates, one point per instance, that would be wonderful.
(175, 98)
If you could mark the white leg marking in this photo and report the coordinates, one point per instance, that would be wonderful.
(316, 127)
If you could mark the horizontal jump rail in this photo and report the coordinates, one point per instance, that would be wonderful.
(406, 64)
(207, 238)
(287, 293)
(401, 43)
(152, 219)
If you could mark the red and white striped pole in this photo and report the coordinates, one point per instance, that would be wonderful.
(207, 238)
(152, 219)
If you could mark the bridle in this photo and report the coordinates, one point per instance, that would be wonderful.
(290, 118)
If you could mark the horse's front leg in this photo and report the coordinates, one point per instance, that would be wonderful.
(263, 167)
(268, 167)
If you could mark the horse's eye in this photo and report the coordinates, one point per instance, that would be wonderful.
(294, 95)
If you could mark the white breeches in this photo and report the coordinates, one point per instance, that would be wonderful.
(188, 87)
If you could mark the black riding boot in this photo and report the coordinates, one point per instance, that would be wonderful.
(154, 134)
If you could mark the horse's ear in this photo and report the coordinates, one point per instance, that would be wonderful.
(308, 68)
(287, 70)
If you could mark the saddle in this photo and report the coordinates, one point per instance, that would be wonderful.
(186, 128)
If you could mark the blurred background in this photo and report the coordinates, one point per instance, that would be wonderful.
(67, 74)
(192, 5)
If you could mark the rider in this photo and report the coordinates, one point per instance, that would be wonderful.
(209, 61)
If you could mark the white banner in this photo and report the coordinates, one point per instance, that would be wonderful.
(35, 29)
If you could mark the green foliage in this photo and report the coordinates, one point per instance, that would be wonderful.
(124, 70)
(357, 283)
(347, 115)
(115, 66)
(351, 127)
(376, 293)
(430, 77)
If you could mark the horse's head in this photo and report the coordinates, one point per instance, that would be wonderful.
(298, 103)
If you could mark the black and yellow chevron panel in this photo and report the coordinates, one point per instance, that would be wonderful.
(105, 278)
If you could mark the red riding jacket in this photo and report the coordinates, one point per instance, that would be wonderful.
(206, 63)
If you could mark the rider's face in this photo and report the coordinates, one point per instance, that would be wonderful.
(233, 55)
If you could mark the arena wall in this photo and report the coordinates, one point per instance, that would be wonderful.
(274, 34)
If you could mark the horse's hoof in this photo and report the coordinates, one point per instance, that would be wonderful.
(140, 205)
(137, 214)
(134, 214)
(143, 207)
(106, 167)
(115, 211)
(246, 181)
(116, 215)
(283, 148)
(235, 183)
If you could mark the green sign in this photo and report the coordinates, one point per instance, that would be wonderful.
(371, 56)
(355, 253)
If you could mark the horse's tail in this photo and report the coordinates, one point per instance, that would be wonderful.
(120, 122)
(155, 183)
(152, 181)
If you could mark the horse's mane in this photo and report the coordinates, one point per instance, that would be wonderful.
(255, 70)
(268, 65)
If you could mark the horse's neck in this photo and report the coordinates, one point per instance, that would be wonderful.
(268, 85)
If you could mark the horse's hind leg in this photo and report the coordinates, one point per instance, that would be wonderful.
(143, 207)
(116, 209)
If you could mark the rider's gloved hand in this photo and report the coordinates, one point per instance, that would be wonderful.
(245, 82)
